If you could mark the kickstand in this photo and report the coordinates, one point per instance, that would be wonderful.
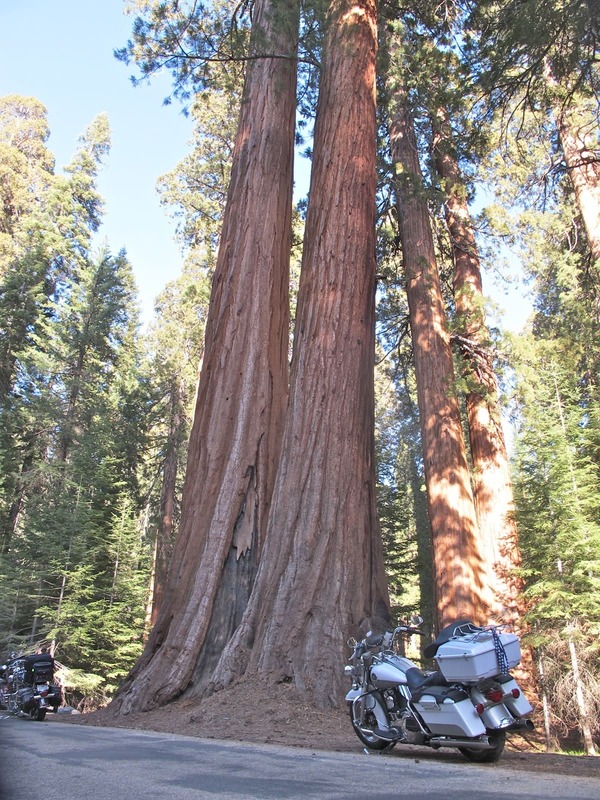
(387, 749)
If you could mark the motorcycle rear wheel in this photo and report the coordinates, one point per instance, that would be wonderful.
(38, 714)
(369, 740)
(498, 740)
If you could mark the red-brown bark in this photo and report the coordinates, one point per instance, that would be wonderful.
(459, 563)
(492, 487)
(322, 575)
(242, 394)
(577, 133)
(584, 169)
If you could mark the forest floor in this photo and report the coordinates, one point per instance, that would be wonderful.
(254, 711)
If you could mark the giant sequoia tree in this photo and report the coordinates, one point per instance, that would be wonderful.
(242, 393)
(461, 587)
(321, 574)
(492, 489)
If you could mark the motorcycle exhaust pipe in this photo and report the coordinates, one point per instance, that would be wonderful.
(482, 743)
(521, 725)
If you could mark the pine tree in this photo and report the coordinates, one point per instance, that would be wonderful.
(557, 499)
(72, 412)
(27, 169)
(49, 236)
(543, 57)
(99, 624)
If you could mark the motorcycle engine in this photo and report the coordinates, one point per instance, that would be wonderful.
(411, 732)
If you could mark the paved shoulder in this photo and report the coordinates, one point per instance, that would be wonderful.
(73, 762)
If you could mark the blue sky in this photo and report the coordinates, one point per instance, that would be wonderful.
(61, 51)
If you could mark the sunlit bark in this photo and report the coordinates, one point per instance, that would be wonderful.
(578, 135)
(492, 488)
(461, 588)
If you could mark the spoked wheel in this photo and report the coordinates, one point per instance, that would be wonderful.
(368, 722)
(497, 740)
(38, 714)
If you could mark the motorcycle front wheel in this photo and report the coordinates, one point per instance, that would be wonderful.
(497, 740)
(370, 721)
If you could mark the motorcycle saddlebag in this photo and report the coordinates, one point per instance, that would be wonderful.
(25, 699)
(55, 696)
(448, 711)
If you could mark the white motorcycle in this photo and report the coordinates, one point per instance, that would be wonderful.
(470, 703)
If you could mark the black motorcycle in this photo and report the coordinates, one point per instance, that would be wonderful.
(28, 688)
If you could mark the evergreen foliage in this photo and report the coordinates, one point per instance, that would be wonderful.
(72, 417)
(554, 405)
(511, 44)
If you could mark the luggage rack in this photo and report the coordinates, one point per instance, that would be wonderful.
(472, 632)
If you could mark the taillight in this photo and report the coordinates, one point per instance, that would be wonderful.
(515, 693)
(480, 708)
(495, 695)
(45, 693)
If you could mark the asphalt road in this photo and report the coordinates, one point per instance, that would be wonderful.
(54, 761)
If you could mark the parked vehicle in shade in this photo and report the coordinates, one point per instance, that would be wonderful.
(28, 688)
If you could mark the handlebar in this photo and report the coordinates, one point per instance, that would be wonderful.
(410, 629)
(384, 640)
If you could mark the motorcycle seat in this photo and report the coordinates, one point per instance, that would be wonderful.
(440, 694)
(417, 679)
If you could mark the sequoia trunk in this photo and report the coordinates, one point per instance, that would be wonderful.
(492, 487)
(576, 140)
(242, 392)
(577, 133)
(459, 565)
(322, 576)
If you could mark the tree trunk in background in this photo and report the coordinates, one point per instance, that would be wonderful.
(427, 595)
(461, 587)
(18, 493)
(584, 169)
(322, 575)
(577, 133)
(164, 534)
(492, 487)
(242, 394)
(586, 723)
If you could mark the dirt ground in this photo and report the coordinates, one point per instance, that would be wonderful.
(251, 711)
